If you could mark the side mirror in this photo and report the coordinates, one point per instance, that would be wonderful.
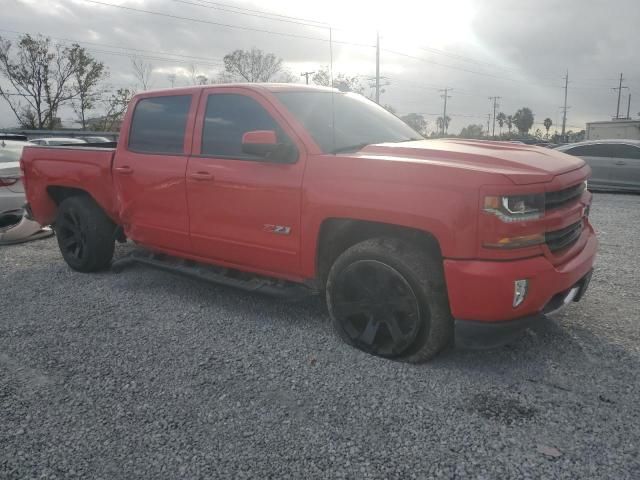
(264, 143)
(259, 142)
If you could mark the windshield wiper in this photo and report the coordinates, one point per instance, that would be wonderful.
(349, 148)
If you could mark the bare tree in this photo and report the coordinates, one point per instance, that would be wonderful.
(252, 65)
(341, 81)
(142, 71)
(87, 77)
(40, 76)
(115, 107)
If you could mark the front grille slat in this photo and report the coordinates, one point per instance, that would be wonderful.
(563, 238)
(562, 197)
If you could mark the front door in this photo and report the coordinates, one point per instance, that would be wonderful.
(149, 172)
(244, 210)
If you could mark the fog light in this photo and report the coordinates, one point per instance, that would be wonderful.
(520, 288)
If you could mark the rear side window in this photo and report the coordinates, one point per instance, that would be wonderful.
(622, 150)
(159, 124)
(227, 118)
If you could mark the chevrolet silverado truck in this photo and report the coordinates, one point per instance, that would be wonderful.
(415, 243)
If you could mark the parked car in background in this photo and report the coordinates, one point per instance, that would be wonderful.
(97, 140)
(15, 226)
(615, 164)
(53, 141)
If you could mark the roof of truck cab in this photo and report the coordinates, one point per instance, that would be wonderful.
(271, 87)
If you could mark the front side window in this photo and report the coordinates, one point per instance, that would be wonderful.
(595, 150)
(159, 124)
(622, 150)
(227, 118)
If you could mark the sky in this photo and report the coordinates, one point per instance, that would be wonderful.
(518, 51)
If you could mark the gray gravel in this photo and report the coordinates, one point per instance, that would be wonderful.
(149, 375)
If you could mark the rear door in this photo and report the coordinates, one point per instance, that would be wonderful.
(625, 173)
(244, 210)
(149, 171)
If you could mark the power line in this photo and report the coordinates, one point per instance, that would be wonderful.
(255, 13)
(84, 42)
(220, 24)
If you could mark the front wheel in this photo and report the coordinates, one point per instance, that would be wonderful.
(387, 297)
(85, 234)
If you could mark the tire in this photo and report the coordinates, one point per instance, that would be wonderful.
(85, 234)
(387, 297)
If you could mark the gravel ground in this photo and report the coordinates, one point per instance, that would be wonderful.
(148, 375)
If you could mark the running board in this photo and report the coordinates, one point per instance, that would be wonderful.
(214, 274)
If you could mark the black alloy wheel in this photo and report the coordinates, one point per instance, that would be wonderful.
(376, 308)
(72, 236)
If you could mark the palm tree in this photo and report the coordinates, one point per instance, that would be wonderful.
(509, 122)
(547, 124)
(501, 118)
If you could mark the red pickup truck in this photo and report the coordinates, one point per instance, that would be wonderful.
(414, 242)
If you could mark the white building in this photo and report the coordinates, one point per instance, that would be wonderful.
(621, 128)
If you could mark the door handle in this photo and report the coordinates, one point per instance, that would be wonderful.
(124, 170)
(201, 176)
(620, 162)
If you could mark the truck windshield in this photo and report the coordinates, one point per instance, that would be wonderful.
(358, 121)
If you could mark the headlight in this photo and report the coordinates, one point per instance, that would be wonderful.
(515, 208)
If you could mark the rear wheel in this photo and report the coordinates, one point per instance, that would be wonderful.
(85, 234)
(387, 296)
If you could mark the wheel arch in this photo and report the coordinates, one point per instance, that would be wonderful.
(338, 234)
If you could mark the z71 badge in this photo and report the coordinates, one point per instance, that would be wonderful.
(279, 229)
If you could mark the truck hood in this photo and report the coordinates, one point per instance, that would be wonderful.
(522, 164)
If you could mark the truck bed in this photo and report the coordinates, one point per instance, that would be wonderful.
(51, 170)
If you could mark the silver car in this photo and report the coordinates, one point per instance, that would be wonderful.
(615, 164)
(11, 189)
(54, 141)
(15, 226)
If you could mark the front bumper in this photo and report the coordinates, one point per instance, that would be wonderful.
(475, 334)
(482, 290)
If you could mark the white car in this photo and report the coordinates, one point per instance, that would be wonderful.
(15, 227)
(53, 141)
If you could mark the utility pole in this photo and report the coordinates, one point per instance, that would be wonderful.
(564, 108)
(619, 89)
(488, 121)
(444, 113)
(306, 76)
(495, 106)
(377, 67)
(629, 107)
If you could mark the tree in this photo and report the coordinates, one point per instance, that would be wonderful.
(509, 122)
(547, 125)
(142, 71)
(538, 134)
(523, 120)
(341, 81)
(115, 107)
(87, 76)
(389, 108)
(252, 65)
(443, 124)
(416, 121)
(40, 76)
(501, 118)
(472, 131)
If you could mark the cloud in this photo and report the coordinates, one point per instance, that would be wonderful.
(499, 48)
